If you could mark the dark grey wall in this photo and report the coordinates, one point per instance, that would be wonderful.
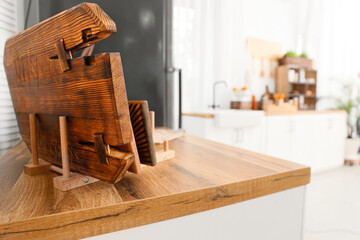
(30, 8)
(140, 41)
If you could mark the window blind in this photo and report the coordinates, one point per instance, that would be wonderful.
(9, 133)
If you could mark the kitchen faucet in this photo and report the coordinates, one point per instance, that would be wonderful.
(216, 83)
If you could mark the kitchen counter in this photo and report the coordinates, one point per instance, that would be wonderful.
(307, 112)
(304, 137)
(204, 175)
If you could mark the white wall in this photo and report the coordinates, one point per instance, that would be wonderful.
(272, 20)
(215, 47)
(332, 40)
(211, 45)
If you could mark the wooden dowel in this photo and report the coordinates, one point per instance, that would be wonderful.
(33, 137)
(56, 169)
(166, 146)
(64, 147)
(152, 121)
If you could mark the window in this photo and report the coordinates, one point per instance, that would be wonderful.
(9, 133)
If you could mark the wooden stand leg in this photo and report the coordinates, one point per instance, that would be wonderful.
(68, 180)
(166, 153)
(33, 139)
(36, 167)
(64, 147)
(166, 146)
(74, 181)
(131, 147)
(152, 120)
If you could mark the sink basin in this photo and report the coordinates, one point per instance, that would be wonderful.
(238, 118)
(229, 118)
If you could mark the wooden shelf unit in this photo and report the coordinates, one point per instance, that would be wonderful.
(283, 84)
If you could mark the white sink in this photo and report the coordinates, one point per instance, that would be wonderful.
(230, 118)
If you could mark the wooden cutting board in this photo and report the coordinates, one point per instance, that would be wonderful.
(165, 134)
(90, 91)
(140, 118)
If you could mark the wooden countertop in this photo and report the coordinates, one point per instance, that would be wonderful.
(203, 115)
(210, 115)
(204, 175)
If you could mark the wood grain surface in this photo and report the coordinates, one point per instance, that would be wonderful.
(165, 134)
(204, 175)
(11, 169)
(89, 91)
(79, 27)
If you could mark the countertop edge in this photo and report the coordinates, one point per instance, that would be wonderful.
(131, 214)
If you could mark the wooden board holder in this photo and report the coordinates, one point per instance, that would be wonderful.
(68, 180)
(36, 167)
(74, 180)
(89, 90)
(166, 153)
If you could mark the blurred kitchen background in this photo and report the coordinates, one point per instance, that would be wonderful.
(279, 77)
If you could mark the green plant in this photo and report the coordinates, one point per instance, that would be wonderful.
(351, 105)
(291, 54)
(303, 55)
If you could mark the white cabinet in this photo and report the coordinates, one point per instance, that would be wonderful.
(251, 220)
(289, 137)
(246, 137)
(278, 137)
(316, 140)
(329, 141)
(250, 138)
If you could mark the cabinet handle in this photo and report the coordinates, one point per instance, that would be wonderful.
(330, 124)
(239, 135)
(236, 136)
(291, 126)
